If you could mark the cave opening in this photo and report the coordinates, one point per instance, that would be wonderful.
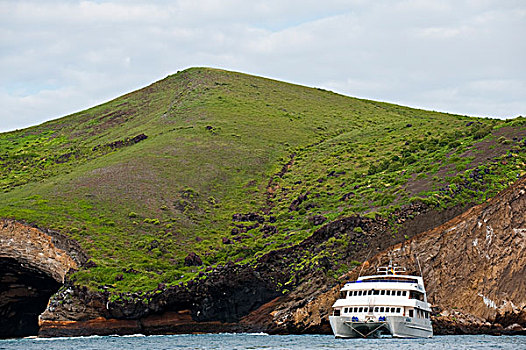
(24, 294)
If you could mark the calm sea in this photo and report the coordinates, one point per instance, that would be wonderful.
(263, 341)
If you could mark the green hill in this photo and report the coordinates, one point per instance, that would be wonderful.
(230, 166)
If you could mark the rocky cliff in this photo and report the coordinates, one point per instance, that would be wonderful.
(33, 265)
(474, 267)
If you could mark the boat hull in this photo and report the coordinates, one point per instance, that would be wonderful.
(395, 326)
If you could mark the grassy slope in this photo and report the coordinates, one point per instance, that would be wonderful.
(215, 139)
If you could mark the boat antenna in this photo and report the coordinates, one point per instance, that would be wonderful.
(367, 257)
(419, 267)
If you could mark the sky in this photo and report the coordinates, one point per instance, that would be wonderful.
(459, 56)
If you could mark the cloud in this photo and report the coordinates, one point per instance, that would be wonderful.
(57, 57)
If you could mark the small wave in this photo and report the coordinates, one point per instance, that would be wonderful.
(133, 335)
(66, 338)
(232, 334)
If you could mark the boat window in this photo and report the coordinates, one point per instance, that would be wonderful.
(404, 293)
(376, 292)
(336, 312)
(381, 309)
(359, 293)
(342, 295)
(355, 293)
(345, 310)
(398, 310)
(376, 309)
(355, 310)
(416, 295)
(382, 292)
(393, 310)
(387, 292)
(410, 313)
(370, 309)
(360, 309)
(398, 293)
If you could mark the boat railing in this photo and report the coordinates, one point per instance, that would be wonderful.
(391, 270)
(384, 280)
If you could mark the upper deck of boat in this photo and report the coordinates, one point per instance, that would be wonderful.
(393, 277)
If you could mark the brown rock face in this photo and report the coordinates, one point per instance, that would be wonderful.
(476, 263)
(474, 267)
(42, 250)
(33, 265)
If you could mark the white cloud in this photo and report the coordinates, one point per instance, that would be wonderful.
(57, 57)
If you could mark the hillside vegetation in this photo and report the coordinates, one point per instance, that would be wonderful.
(226, 167)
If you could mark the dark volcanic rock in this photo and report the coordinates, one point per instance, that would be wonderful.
(121, 143)
(269, 229)
(193, 259)
(317, 220)
(296, 202)
(248, 217)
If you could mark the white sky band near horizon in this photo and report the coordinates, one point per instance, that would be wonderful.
(465, 57)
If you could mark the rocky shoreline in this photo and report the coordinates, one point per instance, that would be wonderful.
(486, 241)
(472, 265)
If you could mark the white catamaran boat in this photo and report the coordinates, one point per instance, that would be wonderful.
(388, 303)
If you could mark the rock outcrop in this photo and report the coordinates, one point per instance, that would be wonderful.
(50, 252)
(33, 265)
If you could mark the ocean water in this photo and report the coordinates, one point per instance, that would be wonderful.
(262, 341)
